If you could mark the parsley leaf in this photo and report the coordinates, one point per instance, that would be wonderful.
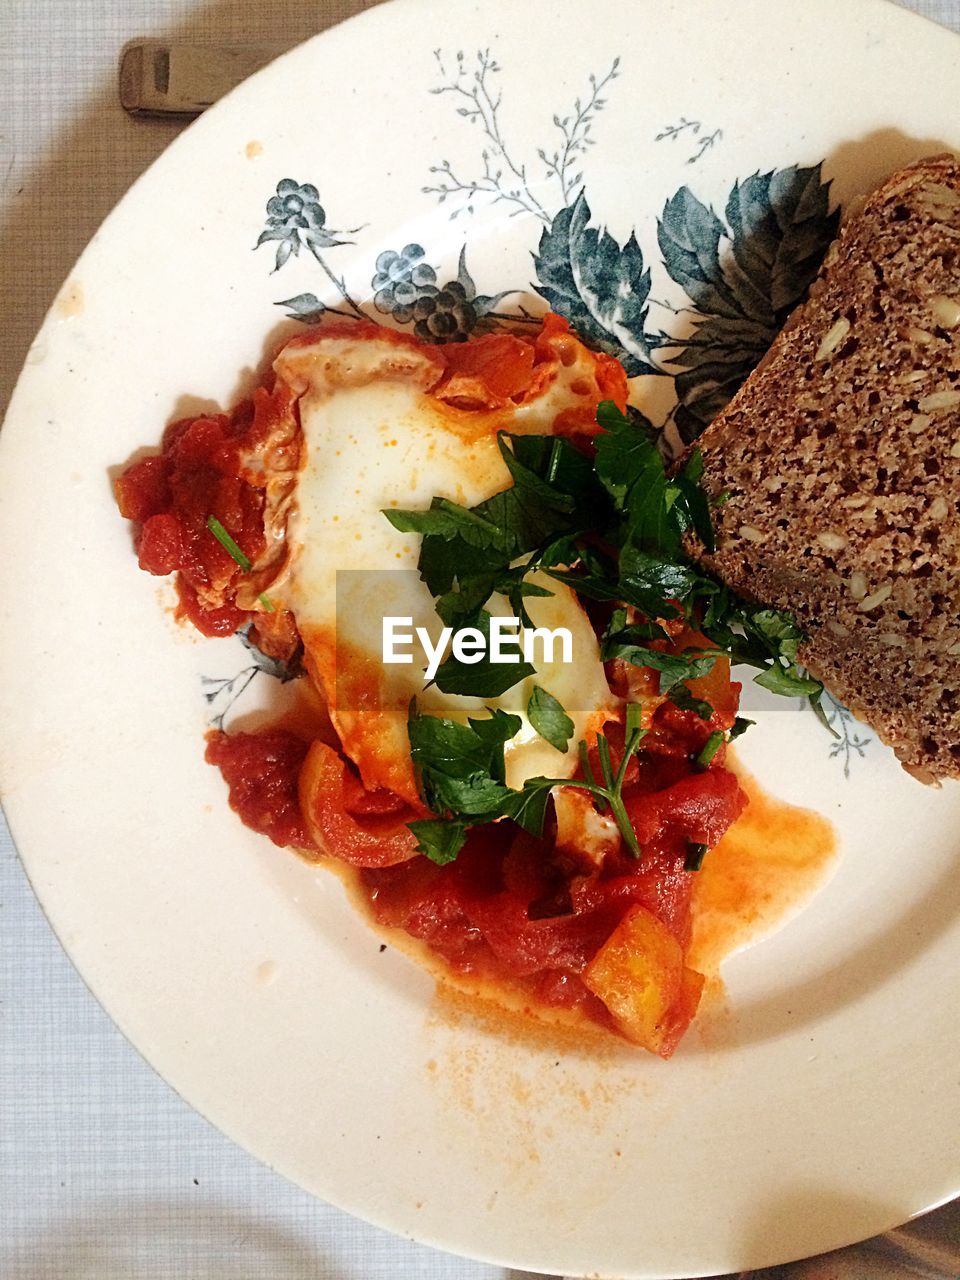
(626, 450)
(653, 582)
(740, 727)
(461, 766)
(692, 501)
(549, 718)
(634, 472)
(681, 697)
(445, 519)
(486, 678)
(439, 839)
(789, 682)
(528, 808)
(674, 668)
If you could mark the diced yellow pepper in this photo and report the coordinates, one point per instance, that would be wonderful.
(640, 975)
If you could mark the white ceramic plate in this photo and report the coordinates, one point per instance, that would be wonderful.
(826, 1106)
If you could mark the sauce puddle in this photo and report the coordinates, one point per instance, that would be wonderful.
(770, 862)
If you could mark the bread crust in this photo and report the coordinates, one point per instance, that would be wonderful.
(841, 459)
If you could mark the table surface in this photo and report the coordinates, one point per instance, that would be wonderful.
(104, 1171)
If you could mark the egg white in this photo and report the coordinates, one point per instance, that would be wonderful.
(373, 438)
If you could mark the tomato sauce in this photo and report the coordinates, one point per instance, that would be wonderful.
(512, 908)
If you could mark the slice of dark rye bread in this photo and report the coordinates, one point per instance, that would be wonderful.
(841, 458)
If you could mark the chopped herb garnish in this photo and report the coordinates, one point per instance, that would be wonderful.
(486, 678)
(237, 554)
(818, 710)
(460, 766)
(634, 718)
(673, 668)
(695, 856)
(740, 727)
(550, 519)
(709, 750)
(228, 544)
(549, 718)
(614, 528)
(438, 840)
(681, 697)
(462, 778)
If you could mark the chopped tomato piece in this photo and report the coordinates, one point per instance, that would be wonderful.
(159, 547)
(261, 772)
(344, 821)
(717, 689)
(660, 883)
(144, 489)
(199, 474)
(699, 808)
(217, 620)
(488, 371)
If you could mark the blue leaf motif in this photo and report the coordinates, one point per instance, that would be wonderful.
(690, 234)
(745, 276)
(483, 303)
(305, 307)
(284, 249)
(781, 224)
(272, 233)
(599, 286)
(464, 276)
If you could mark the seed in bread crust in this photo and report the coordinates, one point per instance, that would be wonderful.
(939, 509)
(751, 534)
(832, 541)
(946, 311)
(921, 336)
(940, 400)
(832, 339)
(878, 598)
(858, 585)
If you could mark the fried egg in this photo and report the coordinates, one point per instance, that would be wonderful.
(384, 425)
